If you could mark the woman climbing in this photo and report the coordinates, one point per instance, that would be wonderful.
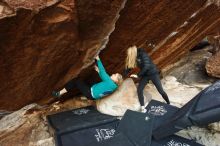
(148, 71)
(98, 90)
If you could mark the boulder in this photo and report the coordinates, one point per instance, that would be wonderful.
(28, 126)
(215, 126)
(122, 99)
(46, 43)
(190, 69)
(201, 135)
(213, 65)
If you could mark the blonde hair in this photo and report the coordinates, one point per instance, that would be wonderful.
(130, 61)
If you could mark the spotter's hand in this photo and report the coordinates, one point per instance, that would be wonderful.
(133, 76)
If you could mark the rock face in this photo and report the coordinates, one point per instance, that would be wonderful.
(41, 49)
(20, 128)
(190, 69)
(125, 97)
(153, 25)
(213, 64)
(203, 136)
(45, 43)
(28, 126)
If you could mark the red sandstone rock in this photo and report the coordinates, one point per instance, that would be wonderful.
(45, 43)
(167, 30)
(40, 51)
(213, 65)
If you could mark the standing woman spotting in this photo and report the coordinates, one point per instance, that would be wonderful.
(137, 57)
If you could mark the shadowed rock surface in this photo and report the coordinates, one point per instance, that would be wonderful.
(190, 69)
(45, 43)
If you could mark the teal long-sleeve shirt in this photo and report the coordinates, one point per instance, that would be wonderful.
(106, 86)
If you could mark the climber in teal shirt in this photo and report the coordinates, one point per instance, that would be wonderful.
(107, 86)
(96, 91)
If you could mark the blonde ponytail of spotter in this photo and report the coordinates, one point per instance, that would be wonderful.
(130, 61)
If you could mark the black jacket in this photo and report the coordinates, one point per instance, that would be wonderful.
(147, 67)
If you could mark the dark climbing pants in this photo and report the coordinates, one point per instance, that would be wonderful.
(156, 81)
(84, 88)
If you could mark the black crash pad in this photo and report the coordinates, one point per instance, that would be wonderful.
(81, 126)
(77, 119)
(161, 111)
(137, 127)
(91, 136)
(203, 109)
(174, 140)
(118, 140)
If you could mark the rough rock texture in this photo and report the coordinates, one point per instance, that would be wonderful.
(188, 74)
(153, 25)
(124, 98)
(207, 137)
(28, 126)
(9, 8)
(213, 64)
(191, 70)
(214, 40)
(22, 129)
(215, 126)
(47, 42)
(42, 50)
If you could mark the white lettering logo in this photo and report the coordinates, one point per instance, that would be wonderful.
(157, 110)
(81, 111)
(174, 143)
(103, 134)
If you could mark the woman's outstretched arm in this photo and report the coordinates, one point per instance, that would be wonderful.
(102, 72)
